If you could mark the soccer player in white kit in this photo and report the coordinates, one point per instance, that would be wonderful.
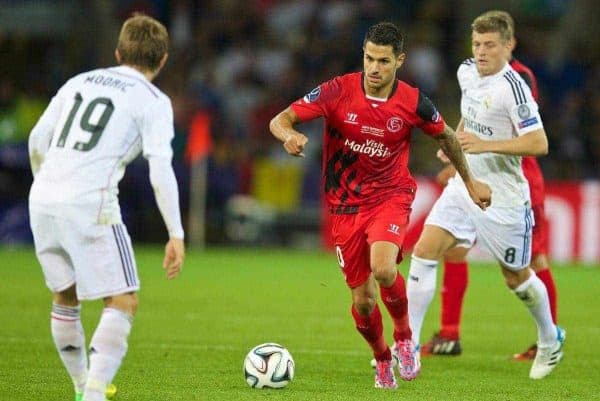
(94, 126)
(500, 123)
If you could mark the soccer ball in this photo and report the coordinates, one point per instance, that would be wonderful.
(268, 365)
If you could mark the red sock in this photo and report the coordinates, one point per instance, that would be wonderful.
(371, 328)
(456, 277)
(546, 276)
(395, 301)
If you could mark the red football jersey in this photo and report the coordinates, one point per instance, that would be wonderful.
(531, 167)
(366, 140)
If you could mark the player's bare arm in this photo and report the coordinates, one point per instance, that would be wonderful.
(480, 192)
(533, 143)
(282, 128)
(445, 174)
(448, 171)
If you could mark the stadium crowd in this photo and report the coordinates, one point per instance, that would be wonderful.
(234, 64)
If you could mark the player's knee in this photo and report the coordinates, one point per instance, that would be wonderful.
(127, 303)
(433, 243)
(384, 272)
(514, 278)
(66, 297)
(364, 305)
(539, 262)
(426, 250)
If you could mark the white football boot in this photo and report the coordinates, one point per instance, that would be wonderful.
(547, 358)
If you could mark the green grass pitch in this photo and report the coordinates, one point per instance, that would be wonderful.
(191, 335)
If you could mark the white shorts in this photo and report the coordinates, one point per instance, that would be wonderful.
(505, 232)
(97, 258)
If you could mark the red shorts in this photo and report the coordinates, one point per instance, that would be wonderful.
(354, 233)
(539, 242)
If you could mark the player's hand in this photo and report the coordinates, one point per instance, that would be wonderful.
(445, 174)
(174, 256)
(480, 193)
(442, 156)
(294, 144)
(471, 143)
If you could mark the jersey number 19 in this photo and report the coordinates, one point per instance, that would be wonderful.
(95, 130)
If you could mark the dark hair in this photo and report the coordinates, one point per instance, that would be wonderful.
(386, 34)
(143, 42)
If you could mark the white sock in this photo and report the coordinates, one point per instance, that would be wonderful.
(419, 290)
(534, 295)
(69, 339)
(107, 349)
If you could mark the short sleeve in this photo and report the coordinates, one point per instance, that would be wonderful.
(320, 101)
(157, 129)
(523, 110)
(432, 122)
(463, 72)
(526, 117)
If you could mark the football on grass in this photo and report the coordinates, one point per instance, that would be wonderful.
(268, 365)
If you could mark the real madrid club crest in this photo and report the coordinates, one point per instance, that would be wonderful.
(487, 102)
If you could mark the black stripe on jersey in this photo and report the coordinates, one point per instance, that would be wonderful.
(520, 85)
(512, 86)
(516, 87)
(137, 79)
(527, 78)
(121, 255)
(351, 177)
(469, 61)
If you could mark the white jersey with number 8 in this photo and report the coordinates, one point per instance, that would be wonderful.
(498, 107)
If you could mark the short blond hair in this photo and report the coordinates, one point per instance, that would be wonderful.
(143, 42)
(495, 21)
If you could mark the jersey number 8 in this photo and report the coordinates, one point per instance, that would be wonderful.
(95, 129)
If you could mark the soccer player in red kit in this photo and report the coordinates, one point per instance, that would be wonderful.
(446, 341)
(368, 188)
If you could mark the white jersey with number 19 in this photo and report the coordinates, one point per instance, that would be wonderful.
(498, 107)
(96, 124)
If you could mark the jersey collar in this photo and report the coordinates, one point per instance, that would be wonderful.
(127, 70)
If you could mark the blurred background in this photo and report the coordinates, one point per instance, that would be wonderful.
(235, 63)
